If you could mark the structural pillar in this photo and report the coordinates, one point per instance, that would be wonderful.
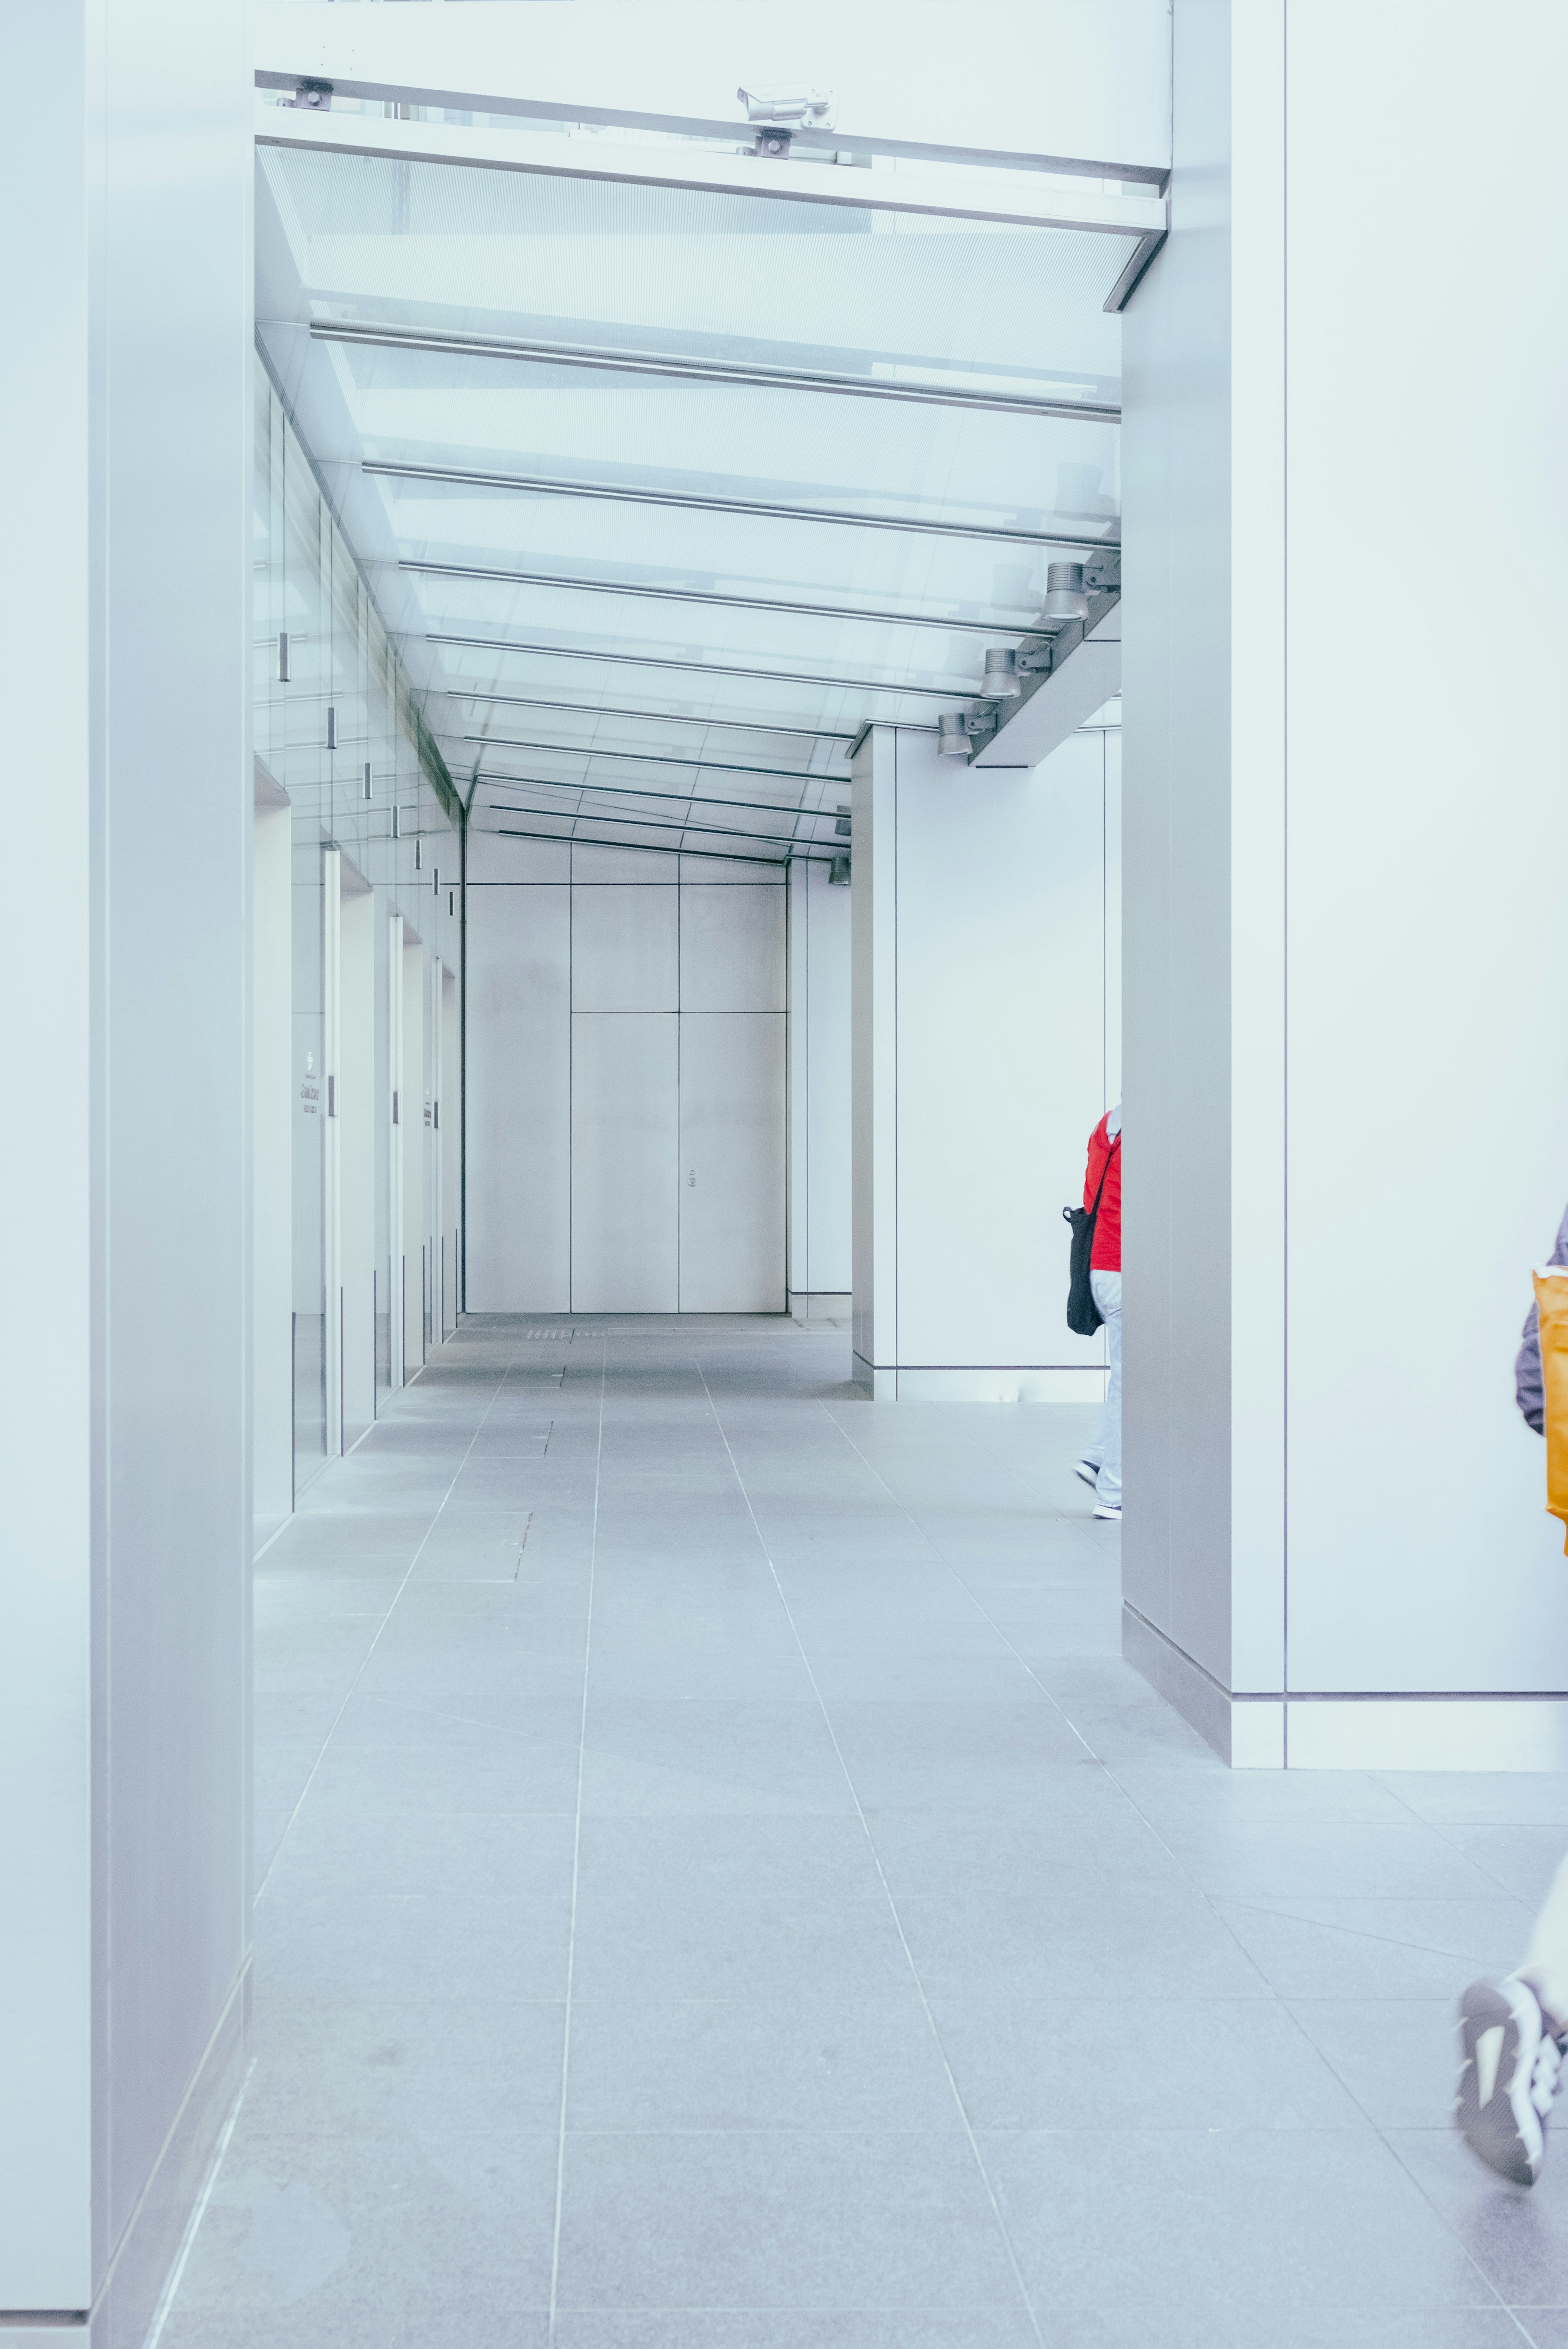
(985, 1048)
(1346, 1131)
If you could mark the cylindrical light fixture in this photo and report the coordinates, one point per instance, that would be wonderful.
(397, 823)
(838, 871)
(1000, 678)
(331, 727)
(1065, 596)
(368, 783)
(952, 734)
(419, 856)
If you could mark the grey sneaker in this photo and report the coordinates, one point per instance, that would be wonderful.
(1108, 1509)
(1509, 2069)
(1087, 1470)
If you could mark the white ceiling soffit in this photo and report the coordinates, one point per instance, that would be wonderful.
(1010, 82)
(1089, 674)
(949, 194)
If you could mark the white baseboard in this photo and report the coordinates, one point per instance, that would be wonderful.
(1253, 1731)
(902, 1383)
(132, 2292)
(821, 1304)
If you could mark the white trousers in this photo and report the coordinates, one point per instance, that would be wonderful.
(1545, 1965)
(1104, 1455)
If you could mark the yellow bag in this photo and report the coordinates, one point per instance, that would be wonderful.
(1552, 1298)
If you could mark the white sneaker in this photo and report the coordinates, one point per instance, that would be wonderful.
(1087, 1470)
(1108, 1509)
(1508, 2077)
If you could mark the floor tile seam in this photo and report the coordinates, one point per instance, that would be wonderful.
(1138, 1811)
(1386, 2138)
(1253, 1907)
(986, 2180)
(391, 1604)
(577, 1874)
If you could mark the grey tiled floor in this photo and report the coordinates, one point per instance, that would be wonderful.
(721, 1889)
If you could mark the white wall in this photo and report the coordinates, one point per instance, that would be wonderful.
(626, 1088)
(125, 1502)
(983, 1057)
(821, 1175)
(1357, 818)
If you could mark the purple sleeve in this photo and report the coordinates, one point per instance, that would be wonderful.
(1529, 1389)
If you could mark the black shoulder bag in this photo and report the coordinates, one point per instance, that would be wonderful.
(1083, 1316)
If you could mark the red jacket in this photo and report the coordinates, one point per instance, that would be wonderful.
(1106, 1253)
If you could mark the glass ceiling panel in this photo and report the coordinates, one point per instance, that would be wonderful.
(676, 612)
(685, 686)
(905, 459)
(910, 296)
(477, 718)
(891, 654)
(591, 539)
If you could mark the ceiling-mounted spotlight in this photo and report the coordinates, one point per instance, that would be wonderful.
(369, 786)
(841, 824)
(838, 872)
(1065, 596)
(331, 727)
(397, 823)
(1000, 678)
(952, 734)
(419, 856)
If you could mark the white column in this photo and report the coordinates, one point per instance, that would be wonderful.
(1348, 1140)
(982, 1060)
(125, 1491)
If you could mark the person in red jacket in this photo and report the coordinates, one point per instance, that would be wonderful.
(1101, 1465)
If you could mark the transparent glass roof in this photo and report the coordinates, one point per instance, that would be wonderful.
(731, 474)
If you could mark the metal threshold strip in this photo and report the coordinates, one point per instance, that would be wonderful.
(638, 757)
(541, 485)
(692, 668)
(991, 629)
(764, 379)
(677, 799)
(718, 855)
(455, 693)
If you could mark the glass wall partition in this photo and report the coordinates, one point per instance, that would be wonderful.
(374, 819)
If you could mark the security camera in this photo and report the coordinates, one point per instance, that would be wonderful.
(797, 105)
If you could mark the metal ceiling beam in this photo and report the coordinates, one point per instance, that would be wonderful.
(680, 799)
(704, 595)
(541, 485)
(953, 193)
(378, 337)
(638, 757)
(718, 855)
(657, 824)
(657, 717)
(691, 668)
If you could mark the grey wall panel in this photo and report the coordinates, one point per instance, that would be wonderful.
(732, 948)
(519, 1080)
(496, 857)
(625, 949)
(732, 1162)
(625, 1143)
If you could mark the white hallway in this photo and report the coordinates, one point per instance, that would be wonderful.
(720, 1888)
